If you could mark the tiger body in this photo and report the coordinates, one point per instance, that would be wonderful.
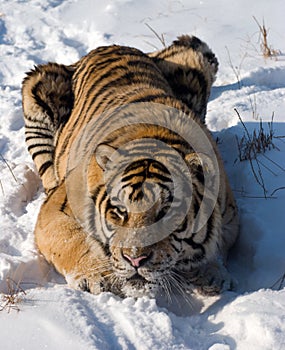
(124, 188)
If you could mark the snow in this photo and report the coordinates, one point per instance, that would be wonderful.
(51, 314)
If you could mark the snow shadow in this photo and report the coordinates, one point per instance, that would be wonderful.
(258, 185)
(132, 324)
(3, 31)
(262, 79)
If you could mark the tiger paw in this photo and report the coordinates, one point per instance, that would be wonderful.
(216, 286)
(91, 284)
(213, 279)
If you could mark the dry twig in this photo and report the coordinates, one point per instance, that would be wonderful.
(8, 166)
(249, 146)
(258, 142)
(266, 50)
(280, 283)
(11, 300)
(159, 37)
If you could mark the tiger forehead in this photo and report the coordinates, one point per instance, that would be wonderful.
(145, 181)
(146, 165)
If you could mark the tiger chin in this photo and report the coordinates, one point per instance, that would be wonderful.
(137, 199)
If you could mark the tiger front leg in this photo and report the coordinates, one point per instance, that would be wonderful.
(212, 278)
(62, 241)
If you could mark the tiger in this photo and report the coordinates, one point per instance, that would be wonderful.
(138, 202)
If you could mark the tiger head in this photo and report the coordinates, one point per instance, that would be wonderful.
(144, 211)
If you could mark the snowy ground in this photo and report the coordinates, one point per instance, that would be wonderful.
(51, 315)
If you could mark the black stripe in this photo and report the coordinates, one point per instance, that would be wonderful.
(209, 232)
(128, 178)
(90, 58)
(34, 155)
(120, 51)
(135, 186)
(107, 98)
(194, 245)
(139, 194)
(102, 199)
(136, 197)
(197, 192)
(96, 193)
(100, 78)
(196, 200)
(159, 177)
(39, 145)
(149, 175)
(96, 66)
(135, 165)
(63, 205)
(169, 190)
(149, 97)
(36, 128)
(176, 249)
(158, 166)
(49, 133)
(66, 141)
(144, 62)
(107, 207)
(139, 151)
(40, 102)
(198, 256)
(87, 111)
(174, 141)
(177, 239)
(146, 98)
(181, 228)
(89, 106)
(123, 79)
(43, 168)
(38, 137)
(146, 173)
(81, 65)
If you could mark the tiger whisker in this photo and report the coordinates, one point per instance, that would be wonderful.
(166, 286)
(179, 284)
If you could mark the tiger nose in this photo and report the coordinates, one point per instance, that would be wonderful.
(136, 262)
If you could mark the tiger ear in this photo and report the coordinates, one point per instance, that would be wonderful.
(196, 160)
(103, 154)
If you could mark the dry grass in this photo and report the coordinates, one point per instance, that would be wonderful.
(14, 296)
(11, 171)
(266, 49)
(280, 283)
(257, 143)
(13, 176)
(8, 166)
(159, 37)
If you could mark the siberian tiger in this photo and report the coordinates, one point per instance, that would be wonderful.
(138, 202)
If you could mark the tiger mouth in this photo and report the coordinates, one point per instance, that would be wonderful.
(137, 278)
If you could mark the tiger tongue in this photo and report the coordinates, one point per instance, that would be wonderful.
(135, 261)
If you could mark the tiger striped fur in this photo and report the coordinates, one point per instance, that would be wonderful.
(112, 219)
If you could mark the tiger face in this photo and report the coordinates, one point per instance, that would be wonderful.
(133, 218)
(145, 213)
